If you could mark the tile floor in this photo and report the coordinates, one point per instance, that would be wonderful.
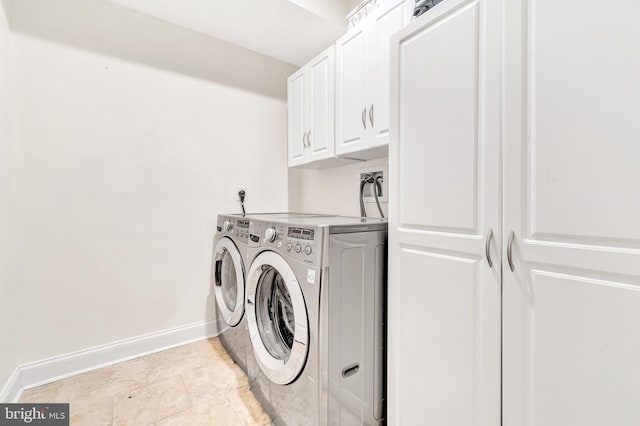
(194, 384)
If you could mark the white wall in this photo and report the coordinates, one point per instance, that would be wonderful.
(333, 191)
(8, 290)
(131, 134)
(351, 4)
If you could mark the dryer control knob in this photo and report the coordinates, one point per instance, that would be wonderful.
(298, 248)
(227, 226)
(307, 250)
(270, 234)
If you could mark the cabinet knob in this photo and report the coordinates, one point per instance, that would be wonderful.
(371, 115)
(364, 118)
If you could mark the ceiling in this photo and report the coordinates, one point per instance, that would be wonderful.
(290, 30)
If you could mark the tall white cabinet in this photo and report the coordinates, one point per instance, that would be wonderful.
(572, 206)
(514, 234)
(362, 82)
(444, 295)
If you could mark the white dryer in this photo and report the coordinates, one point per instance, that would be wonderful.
(315, 315)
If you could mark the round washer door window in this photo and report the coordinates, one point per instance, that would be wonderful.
(228, 273)
(277, 318)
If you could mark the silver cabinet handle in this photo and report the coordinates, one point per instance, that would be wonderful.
(308, 144)
(364, 118)
(371, 115)
(304, 144)
(512, 235)
(487, 248)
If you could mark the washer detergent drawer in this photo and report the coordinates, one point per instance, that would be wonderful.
(354, 384)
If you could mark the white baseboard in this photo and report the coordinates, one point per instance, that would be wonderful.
(12, 389)
(60, 367)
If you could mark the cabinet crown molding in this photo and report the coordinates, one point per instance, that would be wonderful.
(361, 13)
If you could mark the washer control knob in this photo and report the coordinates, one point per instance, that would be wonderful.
(289, 246)
(298, 248)
(227, 226)
(307, 250)
(270, 234)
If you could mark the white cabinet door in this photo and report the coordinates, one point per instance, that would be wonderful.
(351, 110)
(320, 99)
(388, 20)
(297, 125)
(572, 303)
(444, 298)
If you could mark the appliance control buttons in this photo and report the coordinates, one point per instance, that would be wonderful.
(307, 250)
(270, 234)
(298, 248)
(289, 246)
(227, 226)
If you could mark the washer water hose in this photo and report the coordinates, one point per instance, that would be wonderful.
(377, 189)
(363, 211)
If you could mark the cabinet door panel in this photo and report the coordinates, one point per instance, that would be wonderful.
(389, 20)
(442, 306)
(444, 298)
(439, 151)
(571, 200)
(321, 105)
(297, 120)
(350, 86)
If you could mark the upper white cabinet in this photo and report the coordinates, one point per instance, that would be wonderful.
(311, 106)
(362, 82)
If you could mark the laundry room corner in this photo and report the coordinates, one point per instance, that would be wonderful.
(8, 290)
(333, 190)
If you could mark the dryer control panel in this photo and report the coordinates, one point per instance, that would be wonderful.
(238, 228)
(301, 243)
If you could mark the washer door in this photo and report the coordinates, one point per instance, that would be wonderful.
(228, 273)
(277, 318)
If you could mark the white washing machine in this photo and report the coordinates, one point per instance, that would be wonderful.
(315, 309)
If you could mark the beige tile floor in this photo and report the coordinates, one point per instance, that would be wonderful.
(194, 384)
